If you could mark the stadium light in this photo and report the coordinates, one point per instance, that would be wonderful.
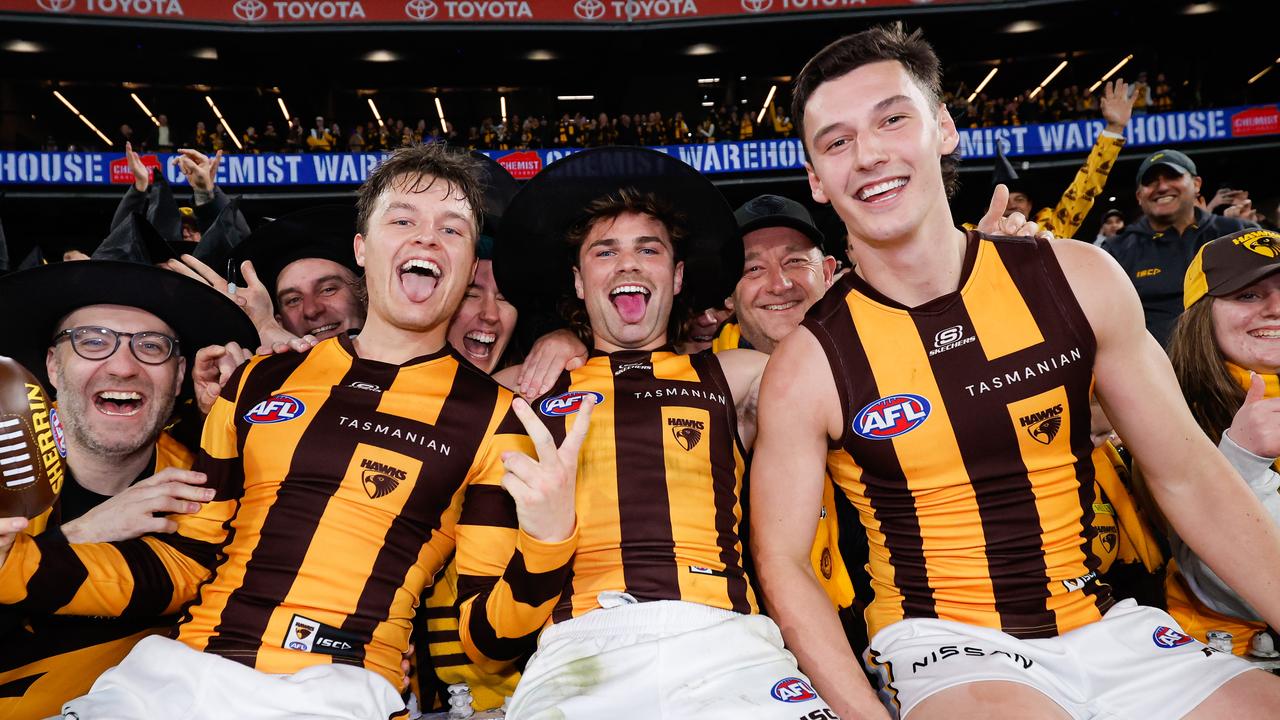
(502, 103)
(284, 110)
(575, 97)
(1110, 72)
(1047, 80)
(376, 115)
(83, 119)
(23, 46)
(982, 85)
(760, 118)
(708, 81)
(144, 108)
(225, 125)
(708, 104)
(444, 126)
(1262, 72)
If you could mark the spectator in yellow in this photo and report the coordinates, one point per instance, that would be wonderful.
(319, 139)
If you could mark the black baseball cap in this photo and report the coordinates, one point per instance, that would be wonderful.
(766, 211)
(1231, 263)
(1113, 212)
(1171, 158)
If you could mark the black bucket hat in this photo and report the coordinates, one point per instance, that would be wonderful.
(532, 261)
(199, 314)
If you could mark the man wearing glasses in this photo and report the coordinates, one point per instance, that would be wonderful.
(112, 340)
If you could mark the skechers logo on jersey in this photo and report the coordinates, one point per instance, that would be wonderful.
(307, 635)
(891, 416)
(1078, 583)
(1043, 426)
(949, 651)
(793, 690)
(686, 432)
(380, 479)
(365, 386)
(950, 339)
(277, 408)
(633, 366)
(1167, 637)
(567, 403)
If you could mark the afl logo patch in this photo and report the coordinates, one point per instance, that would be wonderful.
(567, 403)
(891, 416)
(59, 438)
(277, 408)
(793, 690)
(1167, 637)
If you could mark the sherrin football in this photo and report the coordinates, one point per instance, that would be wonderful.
(31, 444)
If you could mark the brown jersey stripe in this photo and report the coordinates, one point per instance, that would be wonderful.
(450, 660)
(481, 631)
(888, 494)
(225, 475)
(60, 574)
(148, 572)
(1042, 285)
(293, 518)
(648, 546)
(422, 512)
(726, 488)
(264, 380)
(442, 636)
(533, 588)
(1006, 504)
(489, 505)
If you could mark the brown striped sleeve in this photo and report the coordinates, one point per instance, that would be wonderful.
(146, 576)
(508, 582)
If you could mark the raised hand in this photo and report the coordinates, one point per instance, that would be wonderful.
(1016, 224)
(544, 489)
(1256, 426)
(1117, 105)
(200, 169)
(550, 355)
(211, 370)
(141, 173)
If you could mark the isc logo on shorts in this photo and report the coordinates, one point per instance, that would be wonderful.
(567, 403)
(792, 690)
(1167, 637)
(891, 416)
(277, 408)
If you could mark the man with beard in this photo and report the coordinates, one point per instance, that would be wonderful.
(120, 334)
(657, 564)
(945, 387)
(339, 475)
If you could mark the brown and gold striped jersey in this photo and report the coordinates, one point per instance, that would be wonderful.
(46, 660)
(658, 497)
(339, 483)
(966, 444)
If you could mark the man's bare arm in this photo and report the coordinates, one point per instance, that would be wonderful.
(1205, 500)
(786, 494)
(743, 369)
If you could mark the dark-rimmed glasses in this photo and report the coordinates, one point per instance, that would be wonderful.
(99, 343)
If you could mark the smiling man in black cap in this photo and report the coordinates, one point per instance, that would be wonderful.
(112, 338)
(657, 569)
(1156, 250)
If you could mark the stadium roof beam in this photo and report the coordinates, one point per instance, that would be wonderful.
(284, 111)
(502, 105)
(1048, 79)
(376, 115)
(444, 126)
(772, 90)
(225, 125)
(1262, 72)
(83, 119)
(145, 109)
(983, 85)
(1110, 72)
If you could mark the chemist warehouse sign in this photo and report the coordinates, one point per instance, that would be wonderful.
(1166, 129)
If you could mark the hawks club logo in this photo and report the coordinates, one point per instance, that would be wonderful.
(275, 409)
(303, 631)
(793, 690)
(686, 432)
(891, 416)
(1043, 426)
(380, 479)
(1263, 242)
(567, 403)
(1167, 637)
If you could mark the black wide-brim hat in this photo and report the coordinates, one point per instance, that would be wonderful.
(324, 231)
(532, 261)
(38, 298)
(499, 188)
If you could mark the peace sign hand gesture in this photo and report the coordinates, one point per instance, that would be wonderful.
(544, 489)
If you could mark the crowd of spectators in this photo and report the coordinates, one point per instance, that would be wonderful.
(1070, 102)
